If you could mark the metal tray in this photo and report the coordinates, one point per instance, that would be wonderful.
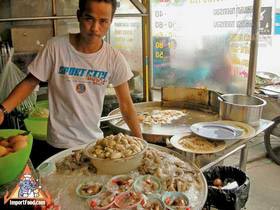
(158, 133)
(61, 187)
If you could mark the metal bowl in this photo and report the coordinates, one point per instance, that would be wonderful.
(242, 108)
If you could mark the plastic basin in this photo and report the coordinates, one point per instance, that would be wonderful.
(13, 164)
(37, 125)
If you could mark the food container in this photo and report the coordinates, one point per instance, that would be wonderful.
(89, 189)
(41, 110)
(241, 108)
(46, 169)
(119, 184)
(116, 166)
(129, 200)
(175, 201)
(102, 201)
(151, 202)
(37, 121)
(147, 184)
(12, 164)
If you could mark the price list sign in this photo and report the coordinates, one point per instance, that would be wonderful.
(164, 29)
(201, 43)
(161, 58)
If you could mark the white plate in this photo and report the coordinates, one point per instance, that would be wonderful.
(175, 141)
(271, 90)
(267, 75)
(249, 131)
(217, 131)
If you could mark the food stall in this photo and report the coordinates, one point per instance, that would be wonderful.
(187, 125)
(176, 168)
(197, 105)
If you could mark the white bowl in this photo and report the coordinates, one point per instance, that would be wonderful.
(116, 166)
(140, 182)
(80, 194)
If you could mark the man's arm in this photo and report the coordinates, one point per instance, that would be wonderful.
(128, 110)
(20, 92)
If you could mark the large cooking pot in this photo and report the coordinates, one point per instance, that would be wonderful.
(242, 108)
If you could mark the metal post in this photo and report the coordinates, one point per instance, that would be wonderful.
(54, 13)
(62, 17)
(146, 53)
(215, 162)
(254, 47)
(243, 158)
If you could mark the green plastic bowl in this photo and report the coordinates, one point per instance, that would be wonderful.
(12, 164)
(38, 109)
(36, 125)
(43, 104)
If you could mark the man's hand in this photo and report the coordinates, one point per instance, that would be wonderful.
(19, 93)
(1, 117)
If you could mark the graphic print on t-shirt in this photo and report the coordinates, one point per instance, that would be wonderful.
(96, 77)
(80, 88)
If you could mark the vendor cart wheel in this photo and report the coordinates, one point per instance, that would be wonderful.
(272, 140)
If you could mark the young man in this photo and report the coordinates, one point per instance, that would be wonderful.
(78, 68)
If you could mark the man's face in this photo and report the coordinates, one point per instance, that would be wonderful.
(95, 21)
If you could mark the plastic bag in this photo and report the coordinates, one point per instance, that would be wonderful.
(9, 78)
(233, 199)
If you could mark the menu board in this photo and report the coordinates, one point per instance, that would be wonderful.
(202, 43)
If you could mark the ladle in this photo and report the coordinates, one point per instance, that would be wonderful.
(220, 96)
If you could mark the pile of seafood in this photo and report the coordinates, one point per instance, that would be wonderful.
(77, 162)
(175, 175)
(159, 172)
(89, 189)
(116, 146)
(178, 201)
(103, 201)
(153, 203)
(161, 117)
(147, 184)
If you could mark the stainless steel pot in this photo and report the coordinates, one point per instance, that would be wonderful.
(241, 108)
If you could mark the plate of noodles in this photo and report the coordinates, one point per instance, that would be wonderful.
(189, 142)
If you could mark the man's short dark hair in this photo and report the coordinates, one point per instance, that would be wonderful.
(82, 5)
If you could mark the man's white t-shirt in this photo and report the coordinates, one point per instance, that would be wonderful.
(76, 88)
